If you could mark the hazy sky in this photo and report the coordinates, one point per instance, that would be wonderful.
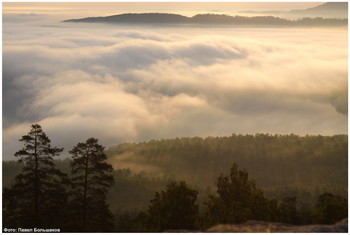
(131, 83)
(186, 8)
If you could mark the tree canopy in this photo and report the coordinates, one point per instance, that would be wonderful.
(237, 200)
(173, 208)
(330, 209)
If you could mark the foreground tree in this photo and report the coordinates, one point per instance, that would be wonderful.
(173, 208)
(238, 200)
(38, 196)
(91, 179)
(330, 209)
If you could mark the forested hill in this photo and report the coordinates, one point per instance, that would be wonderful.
(283, 166)
(209, 19)
(274, 161)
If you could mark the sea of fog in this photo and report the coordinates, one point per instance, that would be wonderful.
(122, 83)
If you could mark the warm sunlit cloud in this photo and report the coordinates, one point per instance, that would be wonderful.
(120, 83)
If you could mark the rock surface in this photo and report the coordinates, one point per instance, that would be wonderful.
(266, 227)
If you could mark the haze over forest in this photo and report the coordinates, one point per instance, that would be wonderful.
(123, 83)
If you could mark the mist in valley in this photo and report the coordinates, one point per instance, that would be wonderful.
(125, 83)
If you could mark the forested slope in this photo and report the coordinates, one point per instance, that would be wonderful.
(274, 161)
(282, 166)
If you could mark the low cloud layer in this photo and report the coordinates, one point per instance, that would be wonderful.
(134, 84)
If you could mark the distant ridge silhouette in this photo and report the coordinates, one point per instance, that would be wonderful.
(209, 19)
(330, 6)
(326, 10)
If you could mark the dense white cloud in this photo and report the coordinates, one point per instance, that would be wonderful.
(120, 84)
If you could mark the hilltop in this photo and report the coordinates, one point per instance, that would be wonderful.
(208, 19)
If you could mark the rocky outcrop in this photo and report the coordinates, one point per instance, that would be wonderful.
(266, 227)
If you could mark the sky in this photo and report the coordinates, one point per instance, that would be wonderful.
(122, 83)
(185, 8)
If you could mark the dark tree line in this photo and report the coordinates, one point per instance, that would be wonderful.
(236, 200)
(44, 197)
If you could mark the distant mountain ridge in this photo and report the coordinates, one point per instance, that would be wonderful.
(330, 6)
(136, 18)
(210, 19)
(326, 10)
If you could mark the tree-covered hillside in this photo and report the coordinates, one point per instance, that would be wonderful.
(211, 19)
(289, 168)
(274, 161)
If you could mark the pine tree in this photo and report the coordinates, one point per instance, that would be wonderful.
(38, 190)
(91, 179)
